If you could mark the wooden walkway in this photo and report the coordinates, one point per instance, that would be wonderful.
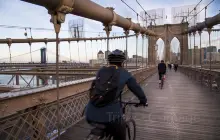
(183, 110)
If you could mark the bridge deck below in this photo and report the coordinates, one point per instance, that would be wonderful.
(182, 110)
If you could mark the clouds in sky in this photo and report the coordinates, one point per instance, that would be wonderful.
(18, 13)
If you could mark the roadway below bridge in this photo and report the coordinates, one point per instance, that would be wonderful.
(182, 110)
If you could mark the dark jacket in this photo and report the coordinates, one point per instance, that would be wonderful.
(113, 110)
(162, 68)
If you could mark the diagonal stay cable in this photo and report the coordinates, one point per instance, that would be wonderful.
(132, 9)
(202, 9)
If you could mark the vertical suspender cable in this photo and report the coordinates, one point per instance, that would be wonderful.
(78, 51)
(70, 51)
(136, 49)
(92, 49)
(57, 83)
(85, 50)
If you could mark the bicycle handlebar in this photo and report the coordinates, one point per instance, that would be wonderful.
(126, 103)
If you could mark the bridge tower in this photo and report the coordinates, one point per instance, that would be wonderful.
(167, 32)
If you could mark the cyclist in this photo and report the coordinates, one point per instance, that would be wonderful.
(161, 70)
(169, 65)
(111, 114)
(175, 67)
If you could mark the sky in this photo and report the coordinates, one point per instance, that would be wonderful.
(18, 13)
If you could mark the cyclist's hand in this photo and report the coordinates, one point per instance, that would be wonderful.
(146, 104)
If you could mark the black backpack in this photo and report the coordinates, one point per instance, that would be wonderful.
(104, 88)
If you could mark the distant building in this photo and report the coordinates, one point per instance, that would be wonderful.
(212, 49)
(215, 56)
(100, 55)
(96, 62)
(135, 57)
(99, 61)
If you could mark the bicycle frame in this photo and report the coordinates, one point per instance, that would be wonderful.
(124, 105)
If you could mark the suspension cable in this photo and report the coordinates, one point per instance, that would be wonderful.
(194, 8)
(19, 55)
(132, 9)
(143, 9)
(41, 29)
(202, 9)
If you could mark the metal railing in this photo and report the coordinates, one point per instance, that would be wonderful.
(204, 76)
(40, 121)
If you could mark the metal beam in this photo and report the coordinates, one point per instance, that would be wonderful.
(43, 73)
(46, 40)
(208, 23)
(91, 10)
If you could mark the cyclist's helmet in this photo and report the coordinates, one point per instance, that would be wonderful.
(116, 56)
(162, 61)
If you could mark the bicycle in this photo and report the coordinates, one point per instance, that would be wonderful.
(162, 81)
(99, 132)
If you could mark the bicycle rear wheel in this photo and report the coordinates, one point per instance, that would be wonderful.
(161, 85)
(130, 130)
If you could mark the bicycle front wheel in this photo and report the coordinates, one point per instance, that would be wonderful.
(130, 130)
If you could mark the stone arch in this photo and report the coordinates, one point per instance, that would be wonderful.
(175, 52)
(167, 32)
(160, 50)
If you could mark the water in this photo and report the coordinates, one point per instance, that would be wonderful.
(4, 79)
